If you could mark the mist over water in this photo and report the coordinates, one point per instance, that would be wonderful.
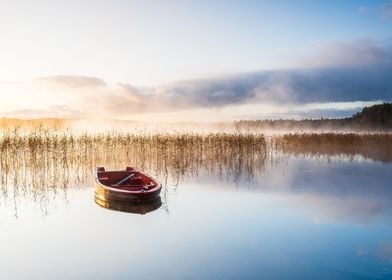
(306, 205)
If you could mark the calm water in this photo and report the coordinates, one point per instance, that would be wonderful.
(294, 217)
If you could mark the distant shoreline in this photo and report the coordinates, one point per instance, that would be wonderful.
(377, 118)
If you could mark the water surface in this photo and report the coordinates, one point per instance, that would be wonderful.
(290, 216)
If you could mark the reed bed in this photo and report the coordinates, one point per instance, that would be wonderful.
(375, 146)
(41, 163)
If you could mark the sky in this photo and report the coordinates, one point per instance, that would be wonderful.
(194, 60)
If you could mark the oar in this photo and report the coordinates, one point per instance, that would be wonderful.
(124, 180)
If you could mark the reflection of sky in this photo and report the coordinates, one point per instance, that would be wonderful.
(357, 191)
(305, 219)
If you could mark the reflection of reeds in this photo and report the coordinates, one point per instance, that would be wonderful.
(372, 146)
(41, 163)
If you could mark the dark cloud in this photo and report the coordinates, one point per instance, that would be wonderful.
(337, 84)
(216, 92)
(343, 84)
(341, 72)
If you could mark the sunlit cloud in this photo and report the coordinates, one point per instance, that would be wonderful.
(343, 78)
(70, 81)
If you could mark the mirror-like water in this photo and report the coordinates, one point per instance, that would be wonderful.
(227, 211)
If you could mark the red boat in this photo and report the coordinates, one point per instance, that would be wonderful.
(125, 185)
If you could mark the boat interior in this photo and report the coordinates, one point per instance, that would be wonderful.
(125, 179)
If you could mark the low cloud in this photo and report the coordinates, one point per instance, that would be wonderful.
(338, 72)
(71, 81)
(62, 111)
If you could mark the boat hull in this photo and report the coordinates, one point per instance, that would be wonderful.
(105, 193)
(146, 188)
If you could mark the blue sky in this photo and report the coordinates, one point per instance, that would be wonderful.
(155, 45)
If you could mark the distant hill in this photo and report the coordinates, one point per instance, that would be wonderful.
(374, 118)
(379, 116)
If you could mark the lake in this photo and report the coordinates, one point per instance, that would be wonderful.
(283, 214)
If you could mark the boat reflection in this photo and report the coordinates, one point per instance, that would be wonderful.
(140, 207)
